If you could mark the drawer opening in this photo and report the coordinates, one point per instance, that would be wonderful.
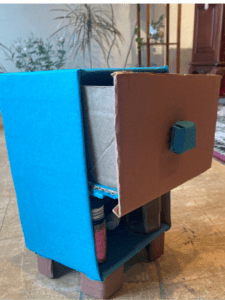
(103, 77)
(98, 106)
(123, 244)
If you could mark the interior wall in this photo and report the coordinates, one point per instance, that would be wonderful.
(20, 20)
(158, 53)
(187, 31)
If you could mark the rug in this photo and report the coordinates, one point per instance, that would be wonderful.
(219, 145)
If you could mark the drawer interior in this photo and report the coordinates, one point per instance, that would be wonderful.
(98, 106)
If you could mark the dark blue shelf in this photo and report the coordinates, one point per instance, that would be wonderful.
(122, 245)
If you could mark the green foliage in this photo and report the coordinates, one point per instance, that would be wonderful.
(137, 30)
(138, 39)
(89, 23)
(156, 37)
(33, 54)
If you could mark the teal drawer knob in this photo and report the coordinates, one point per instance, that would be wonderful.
(183, 137)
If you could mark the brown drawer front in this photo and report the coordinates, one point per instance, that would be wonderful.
(146, 107)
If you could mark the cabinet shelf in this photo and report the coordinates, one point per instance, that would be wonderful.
(122, 245)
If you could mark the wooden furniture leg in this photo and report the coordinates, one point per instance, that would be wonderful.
(45, 266)
(102, 289)
(156, 248)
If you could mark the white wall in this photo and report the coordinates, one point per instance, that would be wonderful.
(187, 30)
(19, 20)
(158, 55)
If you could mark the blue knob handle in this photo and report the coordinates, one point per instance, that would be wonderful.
(183, 137)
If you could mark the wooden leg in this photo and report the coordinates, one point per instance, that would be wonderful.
(45, 266)
(156, 248)
(102, 289)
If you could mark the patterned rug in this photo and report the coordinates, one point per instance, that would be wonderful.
(219, 145)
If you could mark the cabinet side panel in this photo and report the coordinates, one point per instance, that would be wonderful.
(44, 136)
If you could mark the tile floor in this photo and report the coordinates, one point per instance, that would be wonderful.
(193, 266)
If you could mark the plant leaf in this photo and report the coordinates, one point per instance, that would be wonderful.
(136, 30)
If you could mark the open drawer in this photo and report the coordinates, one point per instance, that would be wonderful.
(44, 130)
(128, 129)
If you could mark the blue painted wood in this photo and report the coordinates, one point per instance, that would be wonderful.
(122, 245)
(103, 77)
(44, 135)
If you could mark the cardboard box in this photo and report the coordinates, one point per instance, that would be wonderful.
(44, 130)
(147, 105)
(98, 104)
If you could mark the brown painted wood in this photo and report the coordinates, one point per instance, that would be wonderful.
(208, 52)
(45, 266)
(159, 44)
(156, 248)
(146, 164)
(178, 37)
(167, 33)
(209, 39)
(167, 44)
(139, 32)
(102, 289)
(147, 33)
(221, 57)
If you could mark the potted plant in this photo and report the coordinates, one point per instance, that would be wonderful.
(33, 54)
(89, 23)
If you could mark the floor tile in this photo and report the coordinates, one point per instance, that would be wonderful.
(4, 203)
(12, 247)
(184, 205)
(203, 288)
(11, 227)
(190, 220)
(20, 277)
(216, 215)
(179, 291)
(2, 214)
(30, 290)
(209, 201)
(2, 137)
(221, 229)
(7, 189)
(209, 288)
(138, 290)
(68, 285)
(142, 272)
(205, 257)
(185, 236)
